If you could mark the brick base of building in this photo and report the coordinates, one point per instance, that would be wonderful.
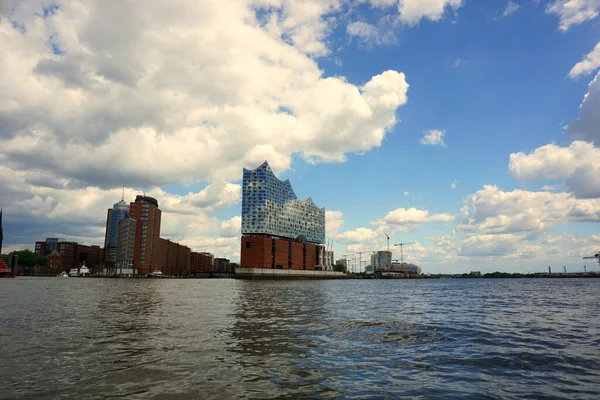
(266, 252)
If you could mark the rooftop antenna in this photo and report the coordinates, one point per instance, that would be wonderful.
(123, 194)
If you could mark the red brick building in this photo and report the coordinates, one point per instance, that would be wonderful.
(200, 262)
(147, 214)
(40, 248)
(266, 252)
(173, 259)
(75, 254)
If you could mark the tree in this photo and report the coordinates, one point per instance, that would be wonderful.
(339, 268)
(41, 261)
(27, 258)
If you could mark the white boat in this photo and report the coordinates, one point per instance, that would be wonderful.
(63, 275)
(81, 271)
(156, 274)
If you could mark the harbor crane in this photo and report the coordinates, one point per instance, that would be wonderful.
(360, 253)
(594, 257)
(402, 252)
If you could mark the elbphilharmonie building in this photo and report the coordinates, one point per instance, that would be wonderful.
(279, 230)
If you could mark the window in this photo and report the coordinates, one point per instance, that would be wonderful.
(249, 245)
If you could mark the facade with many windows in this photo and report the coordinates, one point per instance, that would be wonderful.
(125, 247)
(270, 207)
(119, 212)
(148, 216)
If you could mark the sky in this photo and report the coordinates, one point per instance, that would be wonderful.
(466, 128)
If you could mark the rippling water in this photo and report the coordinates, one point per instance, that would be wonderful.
(197, 339)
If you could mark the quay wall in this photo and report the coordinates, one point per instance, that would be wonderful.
(268, 273)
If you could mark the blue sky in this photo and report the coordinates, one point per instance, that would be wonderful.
(339, 96)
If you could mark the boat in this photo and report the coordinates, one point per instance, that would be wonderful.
(156, 274)
(63, 275)
(5, 271)
(81, 271)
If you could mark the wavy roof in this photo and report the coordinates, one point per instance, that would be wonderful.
(265, 166)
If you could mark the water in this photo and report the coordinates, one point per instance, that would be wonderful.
(199, 339)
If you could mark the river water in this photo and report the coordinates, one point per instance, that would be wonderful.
(229, 339)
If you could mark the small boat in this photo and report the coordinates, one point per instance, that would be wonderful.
(81, 271)
(156, 274)
(63, 275)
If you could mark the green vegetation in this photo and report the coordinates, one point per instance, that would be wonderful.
(339, 268)
(28, 260)
(507, 275)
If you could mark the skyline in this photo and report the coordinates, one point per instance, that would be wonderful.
(464, 126)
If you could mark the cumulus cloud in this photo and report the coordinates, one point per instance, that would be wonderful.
(413, 216)
(577, 165)
(144, 104)
(357, 236)
(587, 124)
(454, 184)
(498, 246)
(589, 63)
(149, 94)
(434, 137)
(412, 11)
(333, 222)
(493, 211)
(574, 12)
(231, 227)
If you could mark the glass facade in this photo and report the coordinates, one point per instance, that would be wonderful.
(270, 207)
(119, 212)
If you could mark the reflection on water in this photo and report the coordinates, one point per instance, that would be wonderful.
(197, 339)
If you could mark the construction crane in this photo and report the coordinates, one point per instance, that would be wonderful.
(389, 257)
(594, 257)
(360, 253)
(402, 253)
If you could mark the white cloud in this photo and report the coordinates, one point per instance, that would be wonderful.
(381, 34)
(574, 12)
(578, 165)
(498, 246)
(362, 29)
(511, 7)
(412, 11)
(493, 211)
(589, 63)
(434, 137)
(412, 216)
(357, 236)
(305, 23)
(458, 62)
(231, 227)
(145, 104)
(587, 123)
(406, 193)
(333, 222)
(454, 184)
